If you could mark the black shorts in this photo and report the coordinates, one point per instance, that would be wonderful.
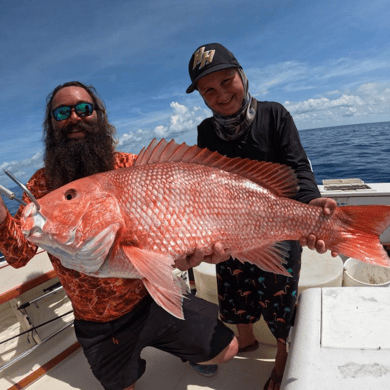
(113, 349)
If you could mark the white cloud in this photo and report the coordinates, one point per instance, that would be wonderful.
(323, 104)
(368, 102)
(22, 170)
(263, 80)
(296, 76)
(335, 92)
(182, 121)
(349, 67)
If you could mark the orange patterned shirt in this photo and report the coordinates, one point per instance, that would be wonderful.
(93, 299)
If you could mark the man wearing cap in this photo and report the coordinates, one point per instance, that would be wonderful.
(243, 127)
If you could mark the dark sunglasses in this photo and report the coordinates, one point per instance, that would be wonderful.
(82, 109)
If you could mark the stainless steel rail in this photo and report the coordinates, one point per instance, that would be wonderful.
(25, 353)
(53, 289)
(2, 260)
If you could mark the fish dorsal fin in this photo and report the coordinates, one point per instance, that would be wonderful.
(280, 179)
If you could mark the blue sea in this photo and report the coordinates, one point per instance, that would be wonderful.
(352, 151)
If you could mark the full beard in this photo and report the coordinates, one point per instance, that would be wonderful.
(68, 159)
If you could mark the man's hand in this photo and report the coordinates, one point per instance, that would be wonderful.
(3, 210)
(218, 255)
(329, 205)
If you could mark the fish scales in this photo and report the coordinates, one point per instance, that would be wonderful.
(134, 222)
(197, 205)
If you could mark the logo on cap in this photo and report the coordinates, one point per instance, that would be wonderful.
(203, 57)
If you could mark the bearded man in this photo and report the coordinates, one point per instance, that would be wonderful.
(80, 145)
(114, 318)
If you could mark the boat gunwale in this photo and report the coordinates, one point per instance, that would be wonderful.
(29, 285)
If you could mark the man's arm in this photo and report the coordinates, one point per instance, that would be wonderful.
(14, 246)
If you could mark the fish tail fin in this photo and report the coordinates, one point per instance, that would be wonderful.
(360, 231)
(158, 278)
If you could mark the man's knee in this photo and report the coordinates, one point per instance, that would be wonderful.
(228, 353)
(231, 350)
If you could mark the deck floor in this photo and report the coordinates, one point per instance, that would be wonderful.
(247, 371)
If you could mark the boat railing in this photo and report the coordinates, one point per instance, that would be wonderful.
(3, 262)
(33, 348)
(32, 323)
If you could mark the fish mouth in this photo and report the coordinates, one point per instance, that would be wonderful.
(35, 232)
(33, 222)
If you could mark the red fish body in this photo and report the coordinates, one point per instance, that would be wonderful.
(134, 222)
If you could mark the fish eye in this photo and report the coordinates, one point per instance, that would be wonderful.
(70, 194)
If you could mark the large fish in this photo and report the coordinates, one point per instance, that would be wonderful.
(134, 222)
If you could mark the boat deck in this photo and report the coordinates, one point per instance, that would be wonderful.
(248, 371)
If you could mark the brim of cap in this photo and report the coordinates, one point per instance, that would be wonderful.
(216, 68)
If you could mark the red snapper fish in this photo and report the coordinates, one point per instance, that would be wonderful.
(134, 222)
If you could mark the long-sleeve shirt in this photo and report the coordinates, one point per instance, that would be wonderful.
(272, 137)
(93, 299)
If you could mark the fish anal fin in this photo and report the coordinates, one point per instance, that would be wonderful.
(269, 258)
(157, 276)
(280, 179)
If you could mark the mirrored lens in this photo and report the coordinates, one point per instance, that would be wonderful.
(61, 113)
(84, 109)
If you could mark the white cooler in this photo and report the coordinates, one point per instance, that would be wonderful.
(341, 340)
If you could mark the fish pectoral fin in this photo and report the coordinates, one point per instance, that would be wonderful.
(269, 258)
(158, 278)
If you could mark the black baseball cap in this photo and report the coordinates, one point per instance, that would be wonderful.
(208, 59)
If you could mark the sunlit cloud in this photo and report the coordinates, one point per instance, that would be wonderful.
(295, 76)
(366, 103)
(182, 121)
(22, 170)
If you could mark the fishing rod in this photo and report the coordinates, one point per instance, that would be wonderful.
(24, 188)
(10, 195)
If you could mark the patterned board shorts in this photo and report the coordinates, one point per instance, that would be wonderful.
(246, 293)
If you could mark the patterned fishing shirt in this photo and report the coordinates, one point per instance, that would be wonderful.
(93, 299)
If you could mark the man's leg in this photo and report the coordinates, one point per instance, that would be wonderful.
(227, 354)
(246, 336)
(282, 295)
(210, 368)
(202, 339)
(280, 363)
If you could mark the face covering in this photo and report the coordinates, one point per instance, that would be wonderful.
(232, 127)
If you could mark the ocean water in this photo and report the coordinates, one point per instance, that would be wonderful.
(353, 151)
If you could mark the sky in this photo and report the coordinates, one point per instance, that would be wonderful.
(327, 62)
